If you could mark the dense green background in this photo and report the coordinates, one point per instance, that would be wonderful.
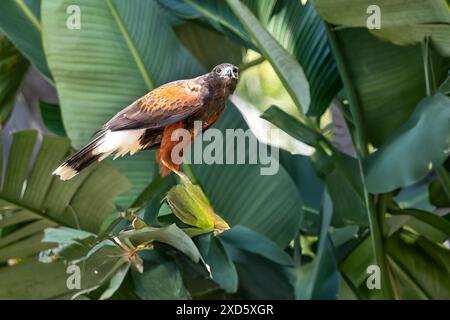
(310, 68)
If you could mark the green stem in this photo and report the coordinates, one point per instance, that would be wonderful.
(381, 257)
(426, 65)
(355, 107)
(376, 218)
(252, 63)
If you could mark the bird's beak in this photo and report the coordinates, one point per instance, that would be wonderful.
(227, 72)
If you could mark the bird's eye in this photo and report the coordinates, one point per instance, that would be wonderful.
(218, 70)
(235, 70)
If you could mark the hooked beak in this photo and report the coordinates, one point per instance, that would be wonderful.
(227, 72)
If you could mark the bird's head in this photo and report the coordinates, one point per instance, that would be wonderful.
(227, 74)
(226, 71)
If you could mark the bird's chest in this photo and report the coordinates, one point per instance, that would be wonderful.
(213, 106)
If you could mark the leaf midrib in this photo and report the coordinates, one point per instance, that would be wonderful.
(32, 210)
(29, 15)
(131, 46)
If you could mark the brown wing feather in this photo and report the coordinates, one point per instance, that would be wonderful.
(165, 105)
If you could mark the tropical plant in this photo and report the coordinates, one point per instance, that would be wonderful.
(314, 230)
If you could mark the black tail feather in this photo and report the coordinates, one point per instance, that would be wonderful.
(79, 161)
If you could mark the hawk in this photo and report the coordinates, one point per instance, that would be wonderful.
(150, 120)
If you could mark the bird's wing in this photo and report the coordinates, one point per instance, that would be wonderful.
(162, 106)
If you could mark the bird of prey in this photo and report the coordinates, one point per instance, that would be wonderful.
(150, 120)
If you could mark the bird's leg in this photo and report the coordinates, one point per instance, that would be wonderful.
(164, 154)
(167, 164)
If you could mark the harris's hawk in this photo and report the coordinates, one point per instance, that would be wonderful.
(150, 120)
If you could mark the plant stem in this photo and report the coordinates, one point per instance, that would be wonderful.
(378, 237)
(355, 107)
(376, 218)
(426, 65)
(252, 63)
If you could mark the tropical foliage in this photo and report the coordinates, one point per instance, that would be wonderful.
(311, 231)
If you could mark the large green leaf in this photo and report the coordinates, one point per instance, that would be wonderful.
(346, 190)
(13, 68)
(288, 69)
(222, 269)
(260, 278)
(32, 199)
(407, 35)
(386, 169)
(302, 171)
(32, 279)
(19, 20)
(161, 278)
(170, 235)
(429, 218)
(378, 71)
(402, 22)
(393, 12)
(123, 50)
(354, 270)
(422, 266)
(248, 240)
(270, 205)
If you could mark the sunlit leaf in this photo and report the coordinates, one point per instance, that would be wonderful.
(287, 68)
